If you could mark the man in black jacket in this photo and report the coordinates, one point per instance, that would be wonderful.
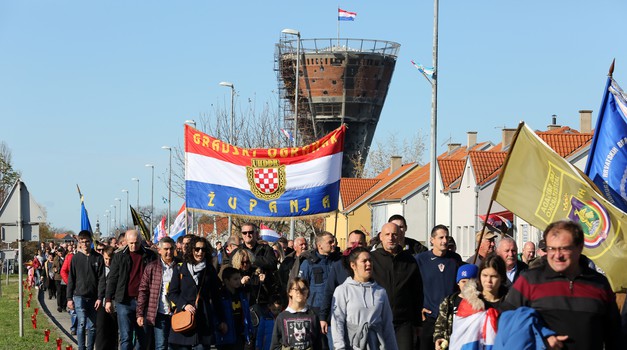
(396, 270)
(86, 273)
(127, 268)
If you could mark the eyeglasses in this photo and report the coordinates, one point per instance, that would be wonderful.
(84, 241)
(247, 232)
(200, 249)
(563, 250)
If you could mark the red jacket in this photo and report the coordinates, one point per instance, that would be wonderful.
(150, 292)
(65, 269)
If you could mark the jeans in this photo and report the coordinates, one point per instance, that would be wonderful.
(73, 319)
(189, 347)
(127, 324)
(161, 331)
(86, 319)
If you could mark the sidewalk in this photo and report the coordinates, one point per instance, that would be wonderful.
(60, 319)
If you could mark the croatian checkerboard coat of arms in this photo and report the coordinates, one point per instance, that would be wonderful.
(266, 178)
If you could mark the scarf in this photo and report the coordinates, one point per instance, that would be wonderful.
(196, 269)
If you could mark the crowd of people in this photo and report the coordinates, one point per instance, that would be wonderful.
(391, 292)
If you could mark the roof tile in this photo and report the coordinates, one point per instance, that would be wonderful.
(352, 188)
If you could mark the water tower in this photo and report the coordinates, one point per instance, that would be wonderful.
(339, 81)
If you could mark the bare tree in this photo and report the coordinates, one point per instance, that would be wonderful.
(8, 175)
(412, 150)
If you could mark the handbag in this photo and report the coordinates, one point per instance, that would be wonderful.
(184, 320)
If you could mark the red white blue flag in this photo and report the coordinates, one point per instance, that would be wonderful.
(268, 234)
(268, 183)
(179, 226)
(343, 15)
(473, 329)
(160, 231)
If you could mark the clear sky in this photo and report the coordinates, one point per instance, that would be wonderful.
(91, 90)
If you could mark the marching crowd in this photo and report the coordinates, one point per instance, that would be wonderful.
(390, 293)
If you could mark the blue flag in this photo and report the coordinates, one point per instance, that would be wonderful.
(85, 224)
(607, 160)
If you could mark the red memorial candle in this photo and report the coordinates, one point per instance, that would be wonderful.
(47, 335)
(59, 342)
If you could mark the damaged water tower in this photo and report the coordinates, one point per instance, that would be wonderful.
(339, 81)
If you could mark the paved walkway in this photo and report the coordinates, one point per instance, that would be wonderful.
(60, 319)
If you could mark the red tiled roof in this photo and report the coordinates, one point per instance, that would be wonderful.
(452, 164)
(385, 179)
(351, 188)
(405, 186)
(451, 170)
(486, 164)
(567, 142)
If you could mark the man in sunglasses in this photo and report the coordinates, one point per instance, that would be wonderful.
(264, 255)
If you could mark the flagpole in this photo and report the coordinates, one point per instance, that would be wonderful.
(338, 27)
(434, 119)
(497, 187)
(606, 92)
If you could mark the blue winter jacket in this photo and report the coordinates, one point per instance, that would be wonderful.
(230, 337)
(522, 328)
(315, 269)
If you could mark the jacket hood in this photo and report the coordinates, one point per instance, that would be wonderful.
(365, 292)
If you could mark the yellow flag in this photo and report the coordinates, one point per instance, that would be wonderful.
(541, 187)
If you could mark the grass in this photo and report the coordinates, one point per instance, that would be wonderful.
(33, 339)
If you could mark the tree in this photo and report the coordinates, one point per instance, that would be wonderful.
(412, 150)
(8, 176)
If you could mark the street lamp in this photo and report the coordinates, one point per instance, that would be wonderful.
(120, 208)
(297, 33)
(169, 184)
(228, 84)
(115, 216)
(108, 216)
(137, 179)
(126, 207)
(152, 194)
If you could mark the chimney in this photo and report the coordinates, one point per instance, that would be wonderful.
(395, 163)
(472, 138)
(508, 135)
(585, 121)
(453, 146)
(553, 124)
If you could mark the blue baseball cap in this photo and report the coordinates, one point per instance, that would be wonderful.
(467, 271)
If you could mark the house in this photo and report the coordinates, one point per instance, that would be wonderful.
(355, 214)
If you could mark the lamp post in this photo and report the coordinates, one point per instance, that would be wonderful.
(137, 179)
(115, 216)
(434, 119)
(297, 33)
(120, 208)
(108, 216)
(126, 191)
(169, 184)
(229, 84)
(152, 194)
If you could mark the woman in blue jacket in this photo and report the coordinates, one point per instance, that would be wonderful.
(196, 274)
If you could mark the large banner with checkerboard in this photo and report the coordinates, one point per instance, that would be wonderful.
(263, 183)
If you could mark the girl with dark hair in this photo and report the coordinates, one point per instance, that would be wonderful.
(362, 317)
(298, 327)
(196, 276)
(492, 277)
(476, 318)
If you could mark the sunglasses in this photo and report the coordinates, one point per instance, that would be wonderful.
(247, 232)
(200, 249)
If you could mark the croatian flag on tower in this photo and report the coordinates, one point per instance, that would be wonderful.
(343, 15)
(268, 234)
(179, 226)
(269, 183)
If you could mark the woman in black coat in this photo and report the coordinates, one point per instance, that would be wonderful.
(193, 274)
